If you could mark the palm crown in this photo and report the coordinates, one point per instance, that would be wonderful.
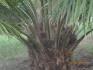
(47, 23)
(21, 18)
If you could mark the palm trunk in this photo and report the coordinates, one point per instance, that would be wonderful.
(49, 59)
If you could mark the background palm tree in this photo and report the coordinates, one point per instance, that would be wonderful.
(51, 29)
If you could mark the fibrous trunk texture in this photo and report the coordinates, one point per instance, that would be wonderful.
(50, 57)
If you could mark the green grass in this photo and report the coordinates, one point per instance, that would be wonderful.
(89, 48)
(85, 48)
(10, 47)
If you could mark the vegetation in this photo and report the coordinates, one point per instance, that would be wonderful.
(11, 48)
(51, 33)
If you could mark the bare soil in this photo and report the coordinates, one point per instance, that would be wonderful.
(21, 63)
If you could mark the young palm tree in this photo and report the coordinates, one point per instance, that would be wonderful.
(51, 29)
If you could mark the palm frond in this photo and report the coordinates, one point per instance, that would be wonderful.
(23, 16)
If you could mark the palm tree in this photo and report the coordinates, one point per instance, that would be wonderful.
(51, 30)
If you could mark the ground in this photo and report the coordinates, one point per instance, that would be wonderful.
(18, 63)
(17, 58)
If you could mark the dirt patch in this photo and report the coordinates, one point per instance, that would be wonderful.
(21, 63)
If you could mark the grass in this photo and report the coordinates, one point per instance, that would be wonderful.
(85, 48)
(10, 47)
(89, 48)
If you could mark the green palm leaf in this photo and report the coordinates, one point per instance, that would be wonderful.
(23, 16)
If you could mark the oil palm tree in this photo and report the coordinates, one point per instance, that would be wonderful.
(51, 29)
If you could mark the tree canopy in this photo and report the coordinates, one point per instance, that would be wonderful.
(17, 15)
